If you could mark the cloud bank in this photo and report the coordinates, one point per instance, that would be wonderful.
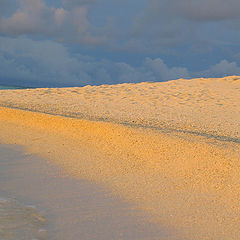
(67, 23)
(157, 25)
(47, 63)
(50, 42)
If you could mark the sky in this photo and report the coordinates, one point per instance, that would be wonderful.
(51, 43)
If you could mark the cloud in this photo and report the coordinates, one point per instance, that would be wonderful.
(155, 27)
(39, 62)
(223, 68)
(4, 4)
(48, 63)
(208, 10)
(34, 17)
(70, 4)
(193, 10)
(177, 24)
(31, 17)
(161, 71)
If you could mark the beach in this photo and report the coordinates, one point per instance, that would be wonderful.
(169, 150)
(59, 207)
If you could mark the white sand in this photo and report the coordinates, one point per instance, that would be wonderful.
(189, 183)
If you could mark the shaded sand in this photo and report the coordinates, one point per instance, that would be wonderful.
(207, 106)
(62, 207)
(19, 222)
(186, 182)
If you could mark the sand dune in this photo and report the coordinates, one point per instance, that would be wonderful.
(199, 105)
(188, 182)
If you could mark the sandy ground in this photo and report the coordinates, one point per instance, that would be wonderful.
(198, 105)
(60, 207)
(186, 178)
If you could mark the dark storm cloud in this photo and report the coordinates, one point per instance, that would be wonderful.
(161, 24)
(34, 17)
(6, 7)
(47, 63)
(194, 10)
(3, 5)
(208, 10)
(70, 4)
(190, 31)
(30, 17)
(174, 24)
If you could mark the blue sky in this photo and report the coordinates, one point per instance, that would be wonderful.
(80, 42)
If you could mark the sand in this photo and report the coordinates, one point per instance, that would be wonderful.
(176, 156)
(208, 106)
(58, 207)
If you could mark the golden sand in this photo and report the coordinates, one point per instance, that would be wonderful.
(198, 105)
(187, 182)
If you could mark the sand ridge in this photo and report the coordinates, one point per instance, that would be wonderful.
(206, 106)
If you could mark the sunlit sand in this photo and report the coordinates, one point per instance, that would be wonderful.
(171, 149)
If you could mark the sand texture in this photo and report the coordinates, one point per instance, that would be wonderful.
(187, 177)
(64, 208)
(208, 106)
